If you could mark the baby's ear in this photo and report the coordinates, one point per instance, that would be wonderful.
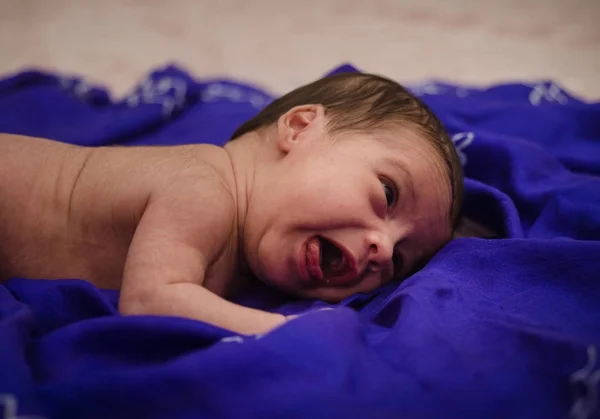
(294, 125)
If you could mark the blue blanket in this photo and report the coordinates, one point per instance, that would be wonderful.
(503, 328)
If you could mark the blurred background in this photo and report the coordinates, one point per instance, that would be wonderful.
(280, 45)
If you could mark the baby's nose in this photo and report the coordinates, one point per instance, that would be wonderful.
(381, 249)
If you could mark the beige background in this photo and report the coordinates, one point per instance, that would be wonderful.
(282, 44)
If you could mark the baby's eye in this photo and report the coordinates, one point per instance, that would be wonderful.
(390, 192)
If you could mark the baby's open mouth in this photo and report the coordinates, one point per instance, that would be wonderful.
(327, 261)
(332, 258)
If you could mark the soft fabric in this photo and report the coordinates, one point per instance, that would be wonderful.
(502, 328)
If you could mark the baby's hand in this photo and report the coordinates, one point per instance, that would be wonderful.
(278, 320)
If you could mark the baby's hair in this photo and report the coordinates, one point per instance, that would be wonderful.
(367, 102)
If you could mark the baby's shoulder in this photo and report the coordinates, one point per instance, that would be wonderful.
(213, 156)
(198, 174)
(209, 168)
(165, 168)
(204, 159)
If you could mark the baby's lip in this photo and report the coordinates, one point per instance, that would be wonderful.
(312, 259)
(313, 264)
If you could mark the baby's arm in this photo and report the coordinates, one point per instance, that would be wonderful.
(181, 232)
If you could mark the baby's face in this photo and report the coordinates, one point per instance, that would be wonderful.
(346, 216)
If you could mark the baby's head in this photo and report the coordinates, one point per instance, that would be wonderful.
(359, 185)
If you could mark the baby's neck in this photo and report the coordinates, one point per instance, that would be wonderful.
(248, 156)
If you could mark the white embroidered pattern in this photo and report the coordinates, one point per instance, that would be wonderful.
(461, 141)
(232, 339)
(586, 378)
(426, 88)
(77, 86)
(219, 91)
(9, 405)
(239, 339)
(169, 92)
(547, 92)
(429, 87)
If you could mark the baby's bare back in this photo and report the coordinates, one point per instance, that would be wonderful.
(71, 212)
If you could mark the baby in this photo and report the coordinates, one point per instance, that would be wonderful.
(335, 188)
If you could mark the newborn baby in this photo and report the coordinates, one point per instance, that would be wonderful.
(335, 188)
